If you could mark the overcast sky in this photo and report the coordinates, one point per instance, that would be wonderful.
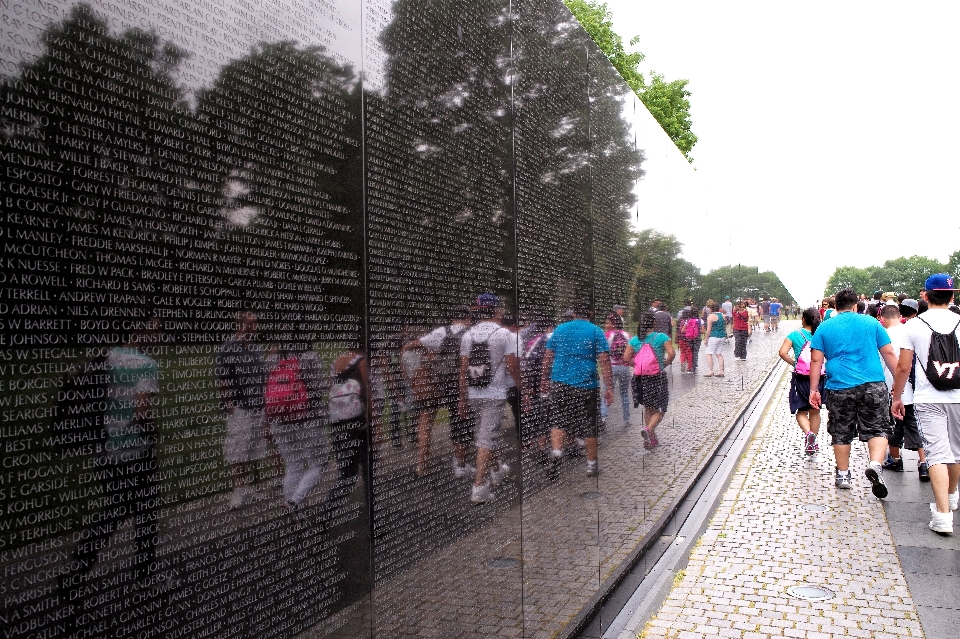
(828, 130)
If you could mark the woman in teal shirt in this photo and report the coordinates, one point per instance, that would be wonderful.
(650, 390)
(713, 337)
(808, 418)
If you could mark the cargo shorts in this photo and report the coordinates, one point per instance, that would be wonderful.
(861, 411)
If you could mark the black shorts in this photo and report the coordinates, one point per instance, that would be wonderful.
(861, 411)
(574, 410)
(906, 433)
(652, 391)
(800, 392)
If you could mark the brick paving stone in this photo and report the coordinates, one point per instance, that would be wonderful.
(759, 542)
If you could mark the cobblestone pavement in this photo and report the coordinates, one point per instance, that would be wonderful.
(761, 542)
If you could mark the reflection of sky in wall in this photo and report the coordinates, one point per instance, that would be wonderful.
(212, 31)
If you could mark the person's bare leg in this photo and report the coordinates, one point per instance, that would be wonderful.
(590, 443)
(814, 421)
(842, 453)
(878, 449)
(923, 455)
(710, 363)
(460, 453)
(719, 364)
(803, 419)
(654, 417)
(483, 460)
(424, 435)
(556, 438)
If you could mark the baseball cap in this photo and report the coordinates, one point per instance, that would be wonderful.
(939, 282)
(912, 303)
(487, 300)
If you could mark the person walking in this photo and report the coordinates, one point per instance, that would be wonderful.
(936, 399)
(808, 418)
(574, 351)
(488, 367)
(741, 330)
(619, 340)
(650, 386)
(727, 309)
(691, 337)
(855, 393)
(713, 336)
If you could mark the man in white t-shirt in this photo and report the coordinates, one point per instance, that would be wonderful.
(488, 367)
(937, 411)
(727, 308)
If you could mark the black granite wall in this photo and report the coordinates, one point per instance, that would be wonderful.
(198, 192)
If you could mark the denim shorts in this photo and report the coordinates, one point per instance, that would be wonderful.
(861, 411)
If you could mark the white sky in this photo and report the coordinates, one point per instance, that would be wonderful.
(828, 130)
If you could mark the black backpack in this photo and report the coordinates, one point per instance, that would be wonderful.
(82, 400)
(480, 369)
(446, 362)
(943, 359)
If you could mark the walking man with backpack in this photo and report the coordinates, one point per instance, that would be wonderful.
(442, 348)
(932, 337)
(488, 367)
(855, 392)
(570, 376)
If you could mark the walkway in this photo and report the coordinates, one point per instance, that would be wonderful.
(781, 523)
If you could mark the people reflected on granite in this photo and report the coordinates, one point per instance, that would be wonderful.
(241, 378)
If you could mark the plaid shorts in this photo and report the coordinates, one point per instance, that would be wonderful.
(861, 411)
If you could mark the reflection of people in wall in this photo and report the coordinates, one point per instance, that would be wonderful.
(348, 401)
(128, 458)
(241, 376)
(292, 405)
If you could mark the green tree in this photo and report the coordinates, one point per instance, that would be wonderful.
(900, 275)
(659, 272)
(953, 264)
(666, 100)
(741, 281)
(859, 279)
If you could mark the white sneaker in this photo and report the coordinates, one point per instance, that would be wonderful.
(498, 474)
(463, 471)
(955, 500)
(481, 494)
(941, 522)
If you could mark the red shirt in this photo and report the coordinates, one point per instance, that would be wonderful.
(741, 320)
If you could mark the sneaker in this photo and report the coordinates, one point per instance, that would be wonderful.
(498, 474)
(844, 481)
(647, 439)
(940, 522)
(955, 500)
(593, 470)
(896, 465)
(810, 446)
(481, 494)
(461, 472)
(924, 471)
(875, 476)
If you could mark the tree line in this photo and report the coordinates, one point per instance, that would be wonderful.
(900, 275)
(659, 272)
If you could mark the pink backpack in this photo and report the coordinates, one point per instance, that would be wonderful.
(692, 329)
(803, 362)
(645, 362)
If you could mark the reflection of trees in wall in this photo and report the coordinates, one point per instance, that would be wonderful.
(576, 163)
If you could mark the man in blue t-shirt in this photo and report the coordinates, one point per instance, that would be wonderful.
(856, 394)
(570, 376)
(775, 307)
